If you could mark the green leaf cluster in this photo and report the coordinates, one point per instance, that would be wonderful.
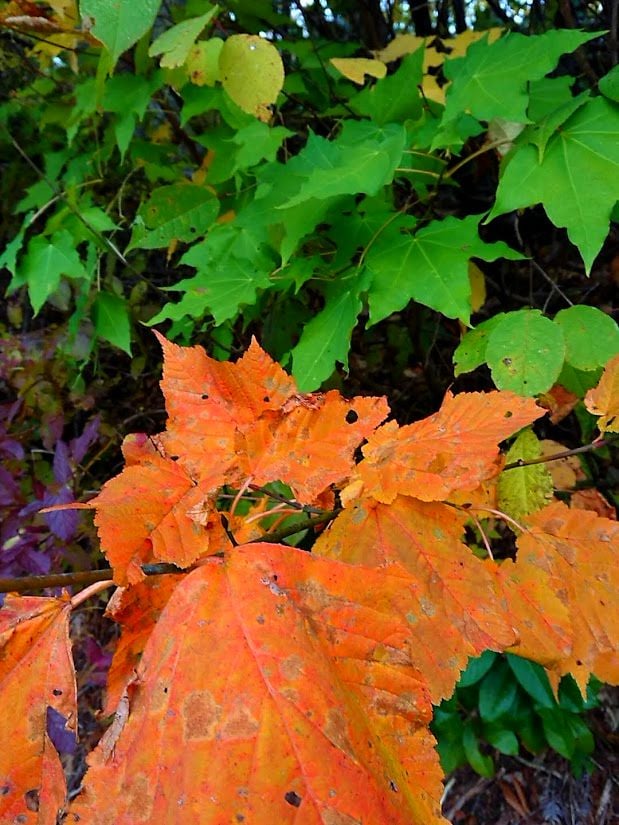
(505, 703)
(528, 353)
(298, 195)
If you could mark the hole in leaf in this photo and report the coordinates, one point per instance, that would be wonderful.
(32, 799)
(204, 396)
(293, 799)
(351, 417)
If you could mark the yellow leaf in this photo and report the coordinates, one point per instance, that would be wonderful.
(356, 68)
(460, 43)
(401, 45)
(202, 64)
(252, 73)
(478, 287)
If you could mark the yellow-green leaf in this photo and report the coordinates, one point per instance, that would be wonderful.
(524, 490)
(252, 73)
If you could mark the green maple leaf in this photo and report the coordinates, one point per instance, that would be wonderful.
(326, 338)
(175, 43)
(395, 98)
(491, 80)
(178, 212)
(430, 267)
(43, 265)
(362, 159)
(120, 24)
(231, 266)
(576, 181)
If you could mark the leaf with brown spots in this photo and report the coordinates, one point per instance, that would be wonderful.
(454, 449)
(579, 550)
(247, 420)
(153, 511)
(36, 673)
(455, 598)
(284, 699)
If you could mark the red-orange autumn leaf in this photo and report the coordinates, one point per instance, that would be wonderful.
(154, 512)
(283, 699)
(137, 609)
(271, 685)
(580, 551)
(247, 420)
(455, 598)
(603, 400)
(454, 449)
(36, 673)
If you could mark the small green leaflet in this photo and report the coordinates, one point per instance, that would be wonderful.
(430, 267)
(178, 212)
(609, 84)
(395, 98)
(524, 490)
(240, 149)
(128, 97)
(532, 677)
(43, 265)
(175, 43)
(231, 266)
(471, 351)
(120, 24)
(8, 258)
(577, 179)
(491, 80)
(111, 320)
(362, 159)
(525, 352)
(326, 338)
(221, 290)
(591, 336)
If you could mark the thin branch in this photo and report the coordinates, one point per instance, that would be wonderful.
(587, 448)
(88, 577)
(290, 530)
(80, 577)
(296, 505)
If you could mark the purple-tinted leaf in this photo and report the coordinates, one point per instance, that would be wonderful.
(99, 660)
(63, 469)
(19, 550)
(9, 489)
(52, 426)
(79, 446)
(64, 523)
(63, 740)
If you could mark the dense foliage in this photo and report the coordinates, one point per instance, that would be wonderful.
(389, 197)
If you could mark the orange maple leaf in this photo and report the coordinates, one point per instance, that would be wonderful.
(454, 449)
(579, 549)
(154, 512)
(247, 420)
(603, 400)
(282, 700)
(36, 673)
